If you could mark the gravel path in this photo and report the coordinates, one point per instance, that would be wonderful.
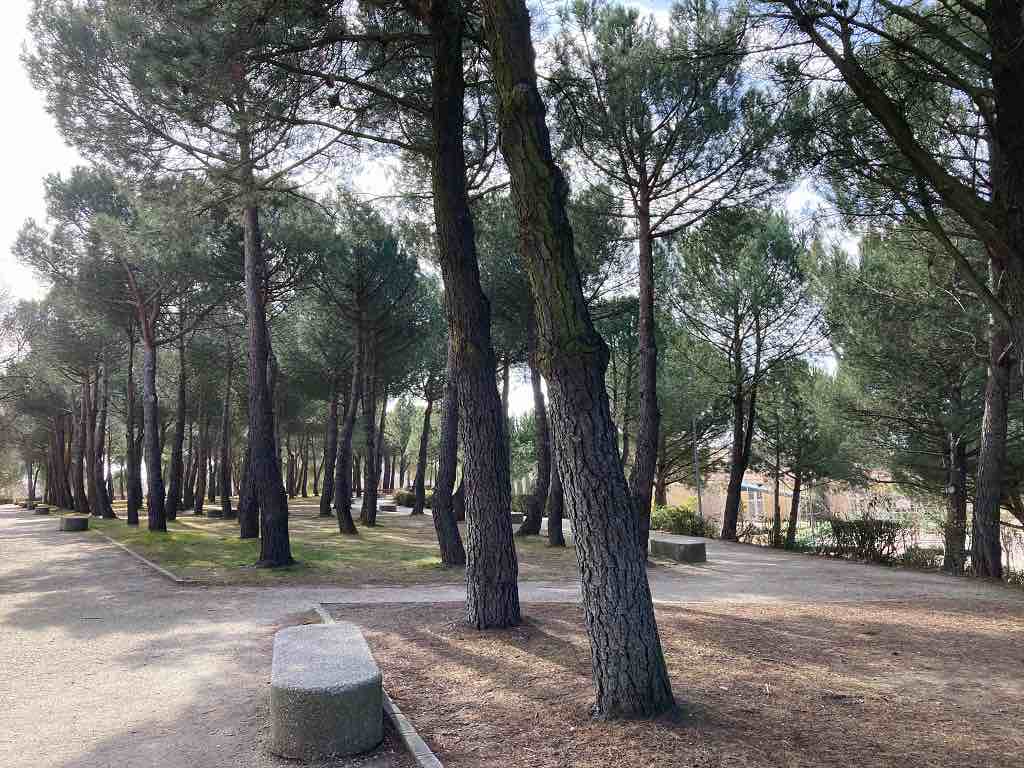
(106, 663)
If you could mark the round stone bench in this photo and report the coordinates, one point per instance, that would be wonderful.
(682, 550)
(326, 699)
(42, 509)
(74, 523)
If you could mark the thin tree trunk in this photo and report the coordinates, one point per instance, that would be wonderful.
(225, 445)
(661, 484)
(986, 544)
(777, 512)
(555, 509)
(449, 539)
(105, 508)
(90, 397)
(371, 464)
(641, 481)
(492, 594)
(330, 451)
(542, 440)
(203, 460)
(175, 471)
(794, 507)
(344, 469)
(264, 471)
(421, 459)
(744, 409)
(248, 508)
(155, 509)
(630, 676)
(955, 528)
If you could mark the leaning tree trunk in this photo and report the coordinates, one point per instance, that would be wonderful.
(449, 540)
(344, 473)
(630, 676)
(264, 471)
(641, 481)
(541, 440)
(419, 484)
(225, 446)
(156, 513)
(986, 545)
(330, 451)
(176, 471)
(492, 592)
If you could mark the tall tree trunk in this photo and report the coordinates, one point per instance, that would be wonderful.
(630, 676)
(541, 440)
(641, 481)
(661, 484)
(777, 477)
(492, 593)
(371, 464)
(986, 545)
(794, 506)
(155, 510)
(421, 459)
(248, 508)
(78, 456)
(92, 473)
(555, 509)
(264, 471)
(506, 367)
(176, 471)
(345, 470)
(330, 451)
(202, 461)
(744, 409)
(106, 509)
(304, 470)
(955, 528)
(225, 444)
(449, 540)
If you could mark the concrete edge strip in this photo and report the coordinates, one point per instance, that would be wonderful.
(413, 742)
(162, 571)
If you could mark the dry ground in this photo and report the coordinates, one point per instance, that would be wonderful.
(918, 683)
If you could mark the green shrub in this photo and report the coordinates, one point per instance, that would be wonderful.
(6, 500)
(922, 557)
(683, 520)
(876, 541)
(408, 499)
(521, 503)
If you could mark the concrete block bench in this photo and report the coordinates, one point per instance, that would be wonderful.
(42, 509)
(326, 698)
(74, 523)
(388, 507)
(30, 505)
(682, 550)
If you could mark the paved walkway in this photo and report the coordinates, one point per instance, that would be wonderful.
(107, 664)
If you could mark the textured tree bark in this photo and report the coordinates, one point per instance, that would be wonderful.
(175, 471)
(105, 508)
(542, 439)
(419, 487)
(264, 473)
(248, 509)
(343, 479)
(90, 398)
(203, 460)
(555, 509)
(330, 451)
(955, 528)
(155, 509)
(449, 540)
(744, 409)
(79, 427)
(777, 477)
(661, 483)
(371, 464)
(641, 481)
(794, 507)
(629, 671)
(492, 592)
(225, 445)
(986, 545)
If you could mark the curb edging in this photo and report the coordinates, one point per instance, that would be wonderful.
(413, 742)
(159, 569)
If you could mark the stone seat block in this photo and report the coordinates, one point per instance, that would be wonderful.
(326, 698)
(682, 551)
(74, 523)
